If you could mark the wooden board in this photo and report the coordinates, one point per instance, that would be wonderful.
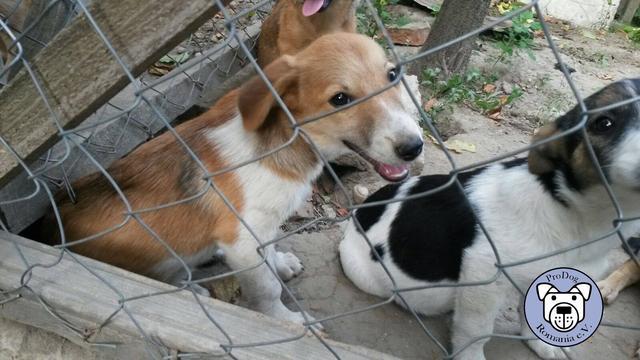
(174, 320)
(184, 90)
(79, 74)
(16, 12)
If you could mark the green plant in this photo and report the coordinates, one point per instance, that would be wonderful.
(366, 23)
(633, 33)
(473, 89)
(519, 36)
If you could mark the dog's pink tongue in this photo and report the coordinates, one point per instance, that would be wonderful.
(311, 7)
(391, 172)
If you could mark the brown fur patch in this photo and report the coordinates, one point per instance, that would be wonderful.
(626, 275)
(306, 84)
(543, 157)
(152, 175)
(160, 171)
(287, 31)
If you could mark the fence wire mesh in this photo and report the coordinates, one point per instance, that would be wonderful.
(149, 105)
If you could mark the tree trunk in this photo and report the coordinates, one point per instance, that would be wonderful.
(456, 18)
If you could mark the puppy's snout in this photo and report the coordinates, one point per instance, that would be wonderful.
(563, 310)
(410, 150)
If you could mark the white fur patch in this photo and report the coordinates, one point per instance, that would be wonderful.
(524, 221)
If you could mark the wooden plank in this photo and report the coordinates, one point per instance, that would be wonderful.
(174, 320)
(79, 74)
(15, 12)
(180, 90)
(37, 21)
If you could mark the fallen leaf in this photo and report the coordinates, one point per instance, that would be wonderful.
(503, 100)
(168, 63)
(160, 69)
(430, 104)
(588, 34)
(489, 88)
(504, 7)
(495, 115)
(459, 146)
(175, 58)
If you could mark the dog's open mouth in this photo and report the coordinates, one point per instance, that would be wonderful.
(389, 172)
(311, 7)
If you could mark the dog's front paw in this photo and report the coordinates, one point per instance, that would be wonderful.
(547, 351)
(609, 289)
(288, 265)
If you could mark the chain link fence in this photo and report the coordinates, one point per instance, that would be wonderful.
(149, 105)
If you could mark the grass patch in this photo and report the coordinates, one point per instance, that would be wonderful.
(366, 23)
(519, 38)
(473, 89)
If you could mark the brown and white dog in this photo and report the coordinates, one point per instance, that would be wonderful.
(240, 127)
(294, 24)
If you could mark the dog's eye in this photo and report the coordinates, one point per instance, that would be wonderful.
(340, 99)
(553, 298)
(574, 298)
(393, 74)
(602, 125)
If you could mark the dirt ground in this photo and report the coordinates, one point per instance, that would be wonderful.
(325, 291)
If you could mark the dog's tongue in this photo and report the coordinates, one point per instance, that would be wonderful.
(391, 172)
(311, 7)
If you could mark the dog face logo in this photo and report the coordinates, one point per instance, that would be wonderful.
(563, 307)
(563, 310)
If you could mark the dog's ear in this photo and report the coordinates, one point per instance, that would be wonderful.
(543, 289)
(255, 100)
(544, 158)
(584, 289)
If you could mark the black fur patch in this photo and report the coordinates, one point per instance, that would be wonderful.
(514, 163)
(371, 215)
(377, 249)
(428, 236)
(551, 181)
(634, 244)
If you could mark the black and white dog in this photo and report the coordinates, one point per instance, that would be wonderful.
(551, 201)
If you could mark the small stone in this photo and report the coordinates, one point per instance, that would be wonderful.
(408, 26)
(328, 211)
(226, 289)
(360, 194)
(507, 87)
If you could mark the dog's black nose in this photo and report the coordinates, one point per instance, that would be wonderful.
(410, 149)
(563, 310)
